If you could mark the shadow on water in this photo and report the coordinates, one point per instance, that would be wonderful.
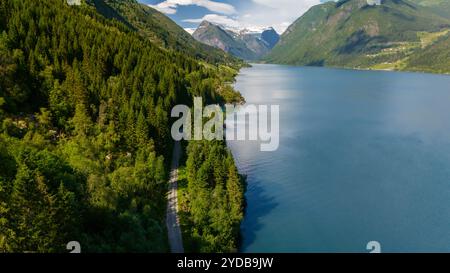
(260, 205)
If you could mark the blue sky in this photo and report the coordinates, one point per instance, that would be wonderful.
(239, 14)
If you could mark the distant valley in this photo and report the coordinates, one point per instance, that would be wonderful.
(411, 35)
(245, 44)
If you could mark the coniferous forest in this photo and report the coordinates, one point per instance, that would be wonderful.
(85, 141)
(211, 205)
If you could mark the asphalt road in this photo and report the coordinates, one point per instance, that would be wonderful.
(172, 219)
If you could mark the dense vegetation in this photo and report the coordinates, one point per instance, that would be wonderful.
(351, 33)
(211, 199)
(162, 31)
(434, 58)
(84, 136)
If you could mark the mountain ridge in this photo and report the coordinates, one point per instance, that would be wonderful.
(244, 44)
(159, 29)
(355, 34)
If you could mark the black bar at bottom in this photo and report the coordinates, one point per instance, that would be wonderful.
(219, 262)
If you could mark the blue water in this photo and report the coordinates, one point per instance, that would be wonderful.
(364, 156)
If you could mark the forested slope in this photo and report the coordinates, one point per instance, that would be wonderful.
(354, 34)
(160, 29)
(85, 128)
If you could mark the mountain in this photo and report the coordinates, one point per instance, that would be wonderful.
(160, 29)
(353, 33)
(213, 35)
(271, 37)
(245, 44)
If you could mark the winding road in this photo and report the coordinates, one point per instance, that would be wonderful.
(172, 219)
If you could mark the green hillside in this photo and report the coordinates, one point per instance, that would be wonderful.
(441, 7)
(85, 141)
(161, 30)
(433, 58)
(351, 33)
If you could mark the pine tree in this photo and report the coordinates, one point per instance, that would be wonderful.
(142, 132)
(31, 226)
(235, 195)
(81, 121)
(104, 182)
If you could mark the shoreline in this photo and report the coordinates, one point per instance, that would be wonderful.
(182, 211)
(360, 69)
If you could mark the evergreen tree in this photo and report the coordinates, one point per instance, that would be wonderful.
(85, 137)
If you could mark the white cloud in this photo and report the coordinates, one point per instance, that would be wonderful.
(276, 13)
(170, 6)
(216, 19)
(190, 30)
(287, 4)
(166, 7)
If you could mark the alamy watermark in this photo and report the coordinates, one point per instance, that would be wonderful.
(249, 122)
